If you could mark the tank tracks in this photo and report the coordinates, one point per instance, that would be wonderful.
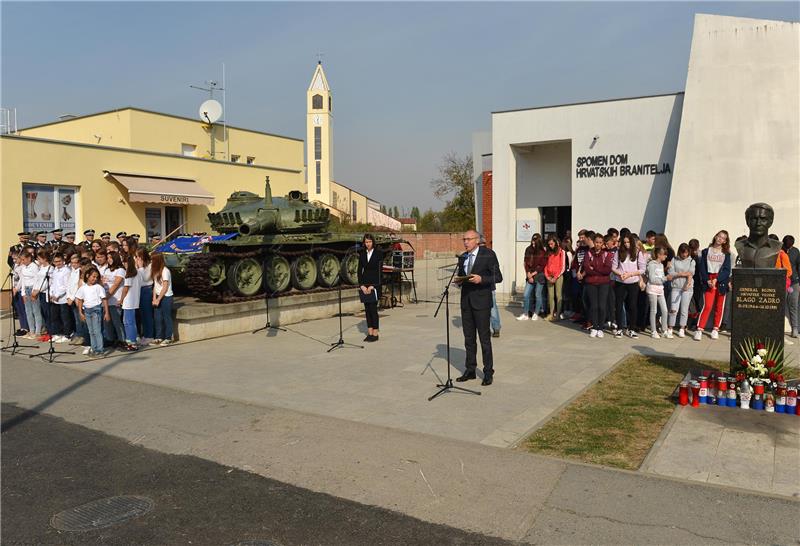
(199, 283)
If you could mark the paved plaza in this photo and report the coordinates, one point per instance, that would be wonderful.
(356, 423)
(540, 367)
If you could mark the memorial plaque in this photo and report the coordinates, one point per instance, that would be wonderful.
(757, 309)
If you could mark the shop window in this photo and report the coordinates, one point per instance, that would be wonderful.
(234, 158)
(251, 159)
(189, 150)
(316, 102)
(45, 207)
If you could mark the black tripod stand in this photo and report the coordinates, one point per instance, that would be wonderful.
(14, 344)
(448, 385)
(268, 326)
(51, 351)
(341, 342)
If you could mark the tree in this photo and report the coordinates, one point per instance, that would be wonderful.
(455, 179)
(396, 212)
(415, 213)
(430, 221)
(383, 209)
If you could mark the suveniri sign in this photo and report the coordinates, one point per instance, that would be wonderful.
(605, 166)
(181, 199)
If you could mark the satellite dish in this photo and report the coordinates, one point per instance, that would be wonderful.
(210, 111)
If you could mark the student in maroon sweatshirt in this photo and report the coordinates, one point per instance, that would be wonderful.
(585, 242)
(597, 281)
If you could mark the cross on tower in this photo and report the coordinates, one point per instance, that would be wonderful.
(319, 57)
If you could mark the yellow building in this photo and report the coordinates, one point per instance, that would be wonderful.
(137, 171)
(151, 173)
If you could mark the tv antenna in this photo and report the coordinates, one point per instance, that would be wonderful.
(211, 110)
(212, 86)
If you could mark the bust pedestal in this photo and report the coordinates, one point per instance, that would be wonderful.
(757, 309)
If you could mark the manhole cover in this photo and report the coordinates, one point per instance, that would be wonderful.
(101, 513)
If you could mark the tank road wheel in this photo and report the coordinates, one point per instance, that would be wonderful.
(216, 272)
(304, 272)
(328, 270)
(245, 276)
(349, 270)
(277, 274)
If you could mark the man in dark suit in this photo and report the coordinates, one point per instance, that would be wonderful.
(480, 264)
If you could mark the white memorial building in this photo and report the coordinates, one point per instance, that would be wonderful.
(686, 164)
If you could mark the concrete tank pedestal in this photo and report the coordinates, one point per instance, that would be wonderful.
(196, 320)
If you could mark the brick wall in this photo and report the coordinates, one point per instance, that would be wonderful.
(430, 245)
(487, 207)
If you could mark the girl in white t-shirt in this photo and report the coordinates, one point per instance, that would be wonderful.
(146, 295)
(28, 286)
(130, 303)
(162, 298)
(93, 306)
(113, 280)
(73, 283)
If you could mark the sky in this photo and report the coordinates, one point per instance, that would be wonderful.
(411, 82)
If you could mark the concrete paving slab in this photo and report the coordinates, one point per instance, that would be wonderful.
(752, 450)
(690, 451)
(602, 506)
(744, 459)
(786, 470)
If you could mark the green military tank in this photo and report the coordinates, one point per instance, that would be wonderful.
(276, 245)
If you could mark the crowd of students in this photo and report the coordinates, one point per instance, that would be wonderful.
(619, 283)
(99, 293)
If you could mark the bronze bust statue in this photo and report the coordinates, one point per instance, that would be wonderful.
(758, 250)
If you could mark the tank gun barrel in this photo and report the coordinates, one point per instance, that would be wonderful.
(266, 221)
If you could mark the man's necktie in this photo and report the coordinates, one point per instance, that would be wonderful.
(469, 263)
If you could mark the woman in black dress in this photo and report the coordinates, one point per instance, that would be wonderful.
(370, 263)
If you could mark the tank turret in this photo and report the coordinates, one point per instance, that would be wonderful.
(248, 214)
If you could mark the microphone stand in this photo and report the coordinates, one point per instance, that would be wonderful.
(341, 342)
(268, 326)
(51, 352)
(14, 345)
(448, 385)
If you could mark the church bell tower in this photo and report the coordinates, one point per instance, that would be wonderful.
(319, 138)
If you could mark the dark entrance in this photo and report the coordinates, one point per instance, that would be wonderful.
(556, 220)
(172, 219)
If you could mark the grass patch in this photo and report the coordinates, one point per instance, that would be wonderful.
(617, 420)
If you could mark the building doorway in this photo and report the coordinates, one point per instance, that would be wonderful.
(162, 221)
(556, 220)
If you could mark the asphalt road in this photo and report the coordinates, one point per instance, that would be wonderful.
(49, 465)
